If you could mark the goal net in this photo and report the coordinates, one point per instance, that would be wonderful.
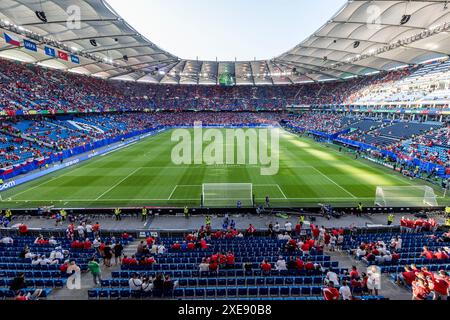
(227, 194)
(409, 196)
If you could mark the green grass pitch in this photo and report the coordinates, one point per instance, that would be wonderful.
(143, 175)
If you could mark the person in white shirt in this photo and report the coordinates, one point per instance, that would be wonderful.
(360, 252)
(161, 249)
(46, 261)
(96, 243)
(135, 283)
(88, 228)
(345, 291)
(56, 254)
(288, 226)
(147, 285)
(332, 277)
(204, 266)
(276, 227)
(52, 241)
(374, 279)
(281, 264)
(74, 280)
(322, 234)
(36, 261)
(7, 240)
(29, 255)
(333, 240)
(80, 230)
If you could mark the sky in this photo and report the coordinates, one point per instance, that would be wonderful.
(226, 29)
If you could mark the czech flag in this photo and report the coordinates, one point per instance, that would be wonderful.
(63, 55)
(11, 40)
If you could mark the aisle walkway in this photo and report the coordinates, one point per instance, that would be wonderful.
(388, 288)
(87, 280)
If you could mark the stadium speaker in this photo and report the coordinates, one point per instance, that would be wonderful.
(405, 19)
(125, 58)
(41, 16)
(356, 44)
(93, 42)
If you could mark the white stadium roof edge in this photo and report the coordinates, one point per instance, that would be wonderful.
(363, 37)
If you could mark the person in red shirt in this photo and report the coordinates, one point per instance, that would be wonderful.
(87, 244)
(203, 244)
(217, 234)
(126, 260)
(96, 228)
(354, 274)
(75, 244)
(150, 260)
(420, 289)
(176, 246)
(395, 257)
(315, 233)
(250, 230)
(441, 254)
(305, 247)
(309, 266)
(427, 254)
(327, 238)
(213, 266)
(330, 293)
(300, 264)
(63, 267)
(407, 277)
(191, 246)
(23, 229)
(440, 286)
(150, 241)
(298, 228)
(222, 259)
(266, 267)
(230, 259)
(133, 261)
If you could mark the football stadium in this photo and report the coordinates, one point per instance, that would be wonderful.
(129, 173)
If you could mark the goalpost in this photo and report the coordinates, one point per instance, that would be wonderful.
(408, 196)
(227, 194)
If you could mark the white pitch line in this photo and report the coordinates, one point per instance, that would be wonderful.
(118, 183)
(334, 182)
(113, 200)
(281, 191)
(171, 194)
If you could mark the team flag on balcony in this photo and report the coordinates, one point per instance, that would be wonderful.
(63, 55)
(10, 39)
(75, 59)
(30, 45)
(50, 52)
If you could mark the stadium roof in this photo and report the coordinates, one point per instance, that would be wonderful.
(363, 37)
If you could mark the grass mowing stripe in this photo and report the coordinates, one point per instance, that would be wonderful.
(118, 183)
(334, 182)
